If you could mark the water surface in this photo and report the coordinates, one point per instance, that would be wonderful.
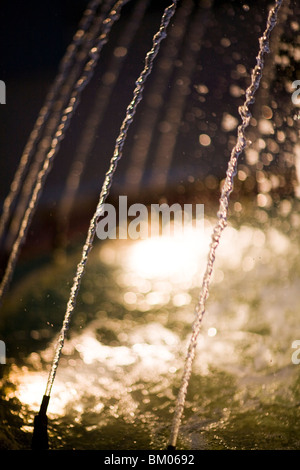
(122, 362)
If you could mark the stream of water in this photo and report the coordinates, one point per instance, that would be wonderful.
(127, 366)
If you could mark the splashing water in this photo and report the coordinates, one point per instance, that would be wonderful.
(130, 112)
(96, 116)
(134, 306)
(244, 390)
(222, 216)
(148, 120)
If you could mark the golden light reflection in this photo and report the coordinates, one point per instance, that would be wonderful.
(152, 273)
(212, 331)
(31, 388)
(110, 371)
(176, 257)
(163, 269)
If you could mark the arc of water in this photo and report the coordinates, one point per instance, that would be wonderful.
(44, 113)
(164, 69)
(65, 85)
(267, 82)
(58, 137)
(177, 101)
(222, 217)
(95, 118)
(130, 112)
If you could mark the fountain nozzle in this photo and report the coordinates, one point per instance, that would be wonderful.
(40, 431)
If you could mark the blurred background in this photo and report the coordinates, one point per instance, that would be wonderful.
(177, 150)
(185, 128)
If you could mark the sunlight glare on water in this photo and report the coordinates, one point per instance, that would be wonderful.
(131, 359)
(169, 257)
(124, 350)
